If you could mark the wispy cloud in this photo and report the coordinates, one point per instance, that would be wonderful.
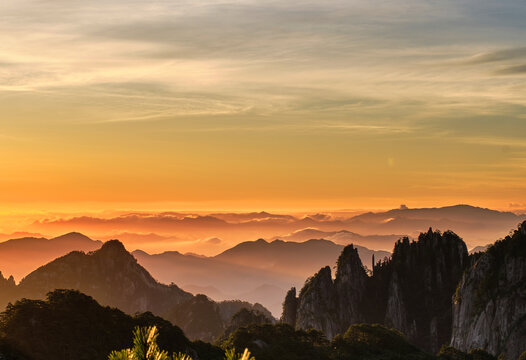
(499, 55)
(512, 70)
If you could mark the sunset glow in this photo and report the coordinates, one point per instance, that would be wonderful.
(294, 106)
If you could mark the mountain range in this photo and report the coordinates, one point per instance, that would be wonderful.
(255, 271)
(211, 233)
(113, 277)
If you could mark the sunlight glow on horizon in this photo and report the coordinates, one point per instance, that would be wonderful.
(253, 106)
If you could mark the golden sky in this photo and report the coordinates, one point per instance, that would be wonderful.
(261, 104)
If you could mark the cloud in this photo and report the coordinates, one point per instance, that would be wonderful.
(512, 70)
(499, 55)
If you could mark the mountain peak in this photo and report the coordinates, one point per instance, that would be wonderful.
(114, 246)
(72, 236)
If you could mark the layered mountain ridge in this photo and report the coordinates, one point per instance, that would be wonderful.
(112, 276)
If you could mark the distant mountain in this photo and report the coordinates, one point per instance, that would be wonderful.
(20, 256)
(477, 225)
(343, 237)
(255, 271)
(477, 249)
(113, 277)
(289, 257)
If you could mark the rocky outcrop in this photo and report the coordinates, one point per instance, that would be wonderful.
(410, 292)
(317, 304)
(290, 308)
(424, 274)
(489, 306)
(350, 287)
(7, 289)
(331, 306)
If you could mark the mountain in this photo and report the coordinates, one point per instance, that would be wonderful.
(477, 225)
(255, 271)
(20, 256)
(70, 325)
(410, 292)
(489, 309)
(113, 277)
(477, 249)
(214, 317)
(203, 272)
(342, 237)
(289, 257)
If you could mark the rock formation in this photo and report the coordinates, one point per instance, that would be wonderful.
(410, 292)
(489, 307)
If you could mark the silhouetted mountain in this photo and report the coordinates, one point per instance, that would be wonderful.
(113, 277)
(489, 309)
(289, 257)
(71, 325)
(18, 257)
(410, 292)
(477, 249)
(343, 237)
(477, 225)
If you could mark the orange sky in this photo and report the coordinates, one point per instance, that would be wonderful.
(110, 106)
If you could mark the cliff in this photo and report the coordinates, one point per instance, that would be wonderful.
(424, 275)
(331, 306)
(489, 307)
(410, 292)
(7, 289)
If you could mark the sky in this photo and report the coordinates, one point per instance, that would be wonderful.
(261, 104)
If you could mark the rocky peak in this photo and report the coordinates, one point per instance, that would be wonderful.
(290, 308)
(424, 275)
(317, 304)
(113, 248)
(349, 265)
(111, 275)
(350, 286)
(489, 308)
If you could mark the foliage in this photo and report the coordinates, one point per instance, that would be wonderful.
(145, 348)
(450, 353)
(365, 341)
(71, 325)
(280, 341)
